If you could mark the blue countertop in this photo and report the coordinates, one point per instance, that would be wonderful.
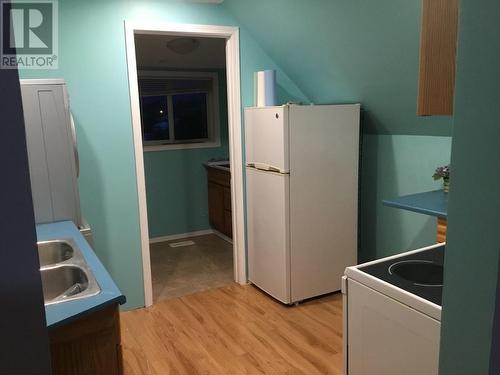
(432, 203)
(64, 312)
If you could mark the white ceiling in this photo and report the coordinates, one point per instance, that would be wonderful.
(206, 1)
(152, 52)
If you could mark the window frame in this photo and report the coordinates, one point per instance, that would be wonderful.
(213, 115)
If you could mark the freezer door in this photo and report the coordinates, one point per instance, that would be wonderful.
(268, 232)
(266, 138)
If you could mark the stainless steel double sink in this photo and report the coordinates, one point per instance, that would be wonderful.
(66, 275)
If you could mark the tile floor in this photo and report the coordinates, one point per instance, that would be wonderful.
(179, 271)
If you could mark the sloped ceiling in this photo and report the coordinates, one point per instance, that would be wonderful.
(347, 51)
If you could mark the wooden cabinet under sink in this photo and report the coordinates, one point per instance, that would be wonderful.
(219, 200)
(90, 345)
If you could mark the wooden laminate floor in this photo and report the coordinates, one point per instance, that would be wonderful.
(233, 330)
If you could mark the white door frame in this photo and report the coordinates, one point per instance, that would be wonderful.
(231, 34)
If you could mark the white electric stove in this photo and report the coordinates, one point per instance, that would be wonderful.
(392, 314)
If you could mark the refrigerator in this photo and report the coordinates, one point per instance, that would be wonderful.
(302, 164)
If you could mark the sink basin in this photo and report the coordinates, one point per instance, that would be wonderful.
(52, 252)
(65, 274)
(419, 272)
(62, 282)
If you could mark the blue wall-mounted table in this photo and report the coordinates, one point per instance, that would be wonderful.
(432, 203)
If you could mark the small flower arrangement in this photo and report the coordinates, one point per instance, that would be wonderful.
(444, 173)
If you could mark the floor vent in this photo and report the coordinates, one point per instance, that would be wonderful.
(181, 243)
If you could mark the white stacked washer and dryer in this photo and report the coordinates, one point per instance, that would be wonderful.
(52, 153)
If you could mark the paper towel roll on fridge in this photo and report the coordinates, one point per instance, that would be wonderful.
(265, 88)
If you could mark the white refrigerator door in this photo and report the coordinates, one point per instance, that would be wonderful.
(324, 150)
(268, 232)
(266, 138)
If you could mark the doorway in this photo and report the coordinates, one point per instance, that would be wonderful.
(157, 90)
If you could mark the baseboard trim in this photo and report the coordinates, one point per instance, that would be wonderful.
(181, 236)
(223, 236)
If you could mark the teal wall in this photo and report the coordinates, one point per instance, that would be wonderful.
(395, 165)
(348, 51)
(176, 182)
(367, 52)
(92, 61)
(335, 51)
(473, 241)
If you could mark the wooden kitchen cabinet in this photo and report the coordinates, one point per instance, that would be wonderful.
(216, 205)
(438, 43)
(219, 200)
(90, 345)
(228, 224)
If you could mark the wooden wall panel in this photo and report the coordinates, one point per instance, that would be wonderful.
(441, 230)
(438, 42)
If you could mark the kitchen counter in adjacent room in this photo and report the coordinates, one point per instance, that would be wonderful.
(222, 165)
(68, 311)
(432, 203)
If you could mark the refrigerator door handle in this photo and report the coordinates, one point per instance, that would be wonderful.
(266, 167)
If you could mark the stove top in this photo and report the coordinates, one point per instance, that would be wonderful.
(419, 273)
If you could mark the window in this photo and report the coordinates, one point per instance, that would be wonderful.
(190, 116)
(154, 117)
(179, 110)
